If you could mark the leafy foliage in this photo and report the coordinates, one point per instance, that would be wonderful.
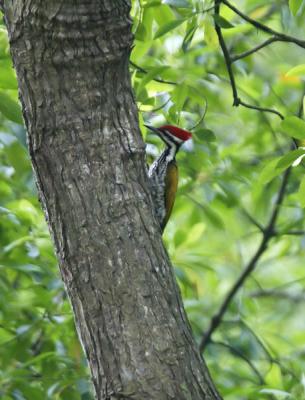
(230, 180)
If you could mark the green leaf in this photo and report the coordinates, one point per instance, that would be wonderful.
(289, 158)
(24, 210)
(294, 127)
(4, 46)
(168, 27)
(213, 217)
(18, 158)
(210, 35)
(270, 171)
(205, 135)
(179, 97)
(40, 357)
(195, 233)
(7, 75)
(295, 5)
(191, 29)
(27, 268)
(141, 33)
(301, 193)
(152, 73)
(16, 243)
(152, 3)
(10, 108)
(5, 190)
(222, 22)
(299, 70)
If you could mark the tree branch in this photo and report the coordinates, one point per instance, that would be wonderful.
(253, 220)
(154, 79)
(268, 234)
(229, 61)
(280, 36)
(227, 57)
(255, 49)
(157, 108)
(264, 109)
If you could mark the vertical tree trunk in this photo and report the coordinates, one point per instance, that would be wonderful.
(71, 58)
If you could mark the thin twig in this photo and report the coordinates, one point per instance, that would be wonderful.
(267, 236)
(290, 233)
(270, 110)
(205, 11)
(255, 49)
(202, 117)
(251, 219)
(236, 100)
(259, 341)
(289, 283)
(280, 36)
(154, 79)
(239, 354)
(271, 358)
(295, 298)
(228, 60)
(157, 108)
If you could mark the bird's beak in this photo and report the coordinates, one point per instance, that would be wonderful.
(153, 129)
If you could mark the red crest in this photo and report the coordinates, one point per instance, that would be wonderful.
(181, 134)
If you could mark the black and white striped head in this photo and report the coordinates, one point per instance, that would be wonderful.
(171, 135)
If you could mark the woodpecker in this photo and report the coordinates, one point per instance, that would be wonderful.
(163, 173)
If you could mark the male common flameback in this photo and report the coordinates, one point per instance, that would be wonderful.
(163, 173)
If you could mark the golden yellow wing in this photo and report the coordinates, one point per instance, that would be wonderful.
(171, 184)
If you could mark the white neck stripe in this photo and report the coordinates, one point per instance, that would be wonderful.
(174, 138)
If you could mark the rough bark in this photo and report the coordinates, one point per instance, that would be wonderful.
(71, 58)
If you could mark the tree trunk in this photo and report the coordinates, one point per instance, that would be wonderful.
(71, 58)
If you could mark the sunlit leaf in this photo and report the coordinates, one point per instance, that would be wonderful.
(288, 159)
(168, 27)
(222, 22)
(210, 35)
(299, 70)
(195, 233)
(7, 75)
(10, 108)
(150, 75)
(270, 171)
(205, 135)
(295, 5)
(191, 29)
(4, 47)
